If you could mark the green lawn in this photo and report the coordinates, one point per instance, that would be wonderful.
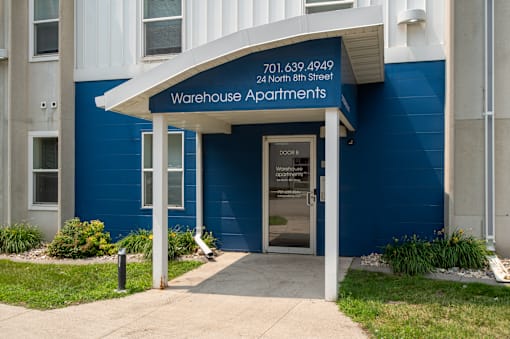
(47, 286)
(414, 307)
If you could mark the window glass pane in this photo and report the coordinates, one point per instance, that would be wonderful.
(175, 150)
(147, 184)
(163, 37)
(147, 150)
(45, 188)
(175, 189)
(45, 153)
(45, 9)
(175, 179)
(161, 8)
(46, 38)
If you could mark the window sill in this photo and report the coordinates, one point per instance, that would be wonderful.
(169, 208)
(157, 58)
(42, 58)
(43, 208)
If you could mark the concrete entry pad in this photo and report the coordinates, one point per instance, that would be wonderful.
(267, 275)
(239, 295)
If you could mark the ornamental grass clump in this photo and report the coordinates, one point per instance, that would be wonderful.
(414, 256)
(81, 239)
(18, 238)
(181, 243)
(458, 250)
(409, 255)
(136, 241)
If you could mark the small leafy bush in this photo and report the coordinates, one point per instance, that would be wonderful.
(136, 241)
(81, 239)
(18, 238)
(410, 256)
(413, 256)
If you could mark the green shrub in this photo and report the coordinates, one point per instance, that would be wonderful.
(414, 256)
(209, 239)
(81, 239)
(136, 241)
(410, 256)
(458, 250)
(19, 238)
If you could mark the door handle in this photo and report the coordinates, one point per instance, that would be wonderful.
(310, 198)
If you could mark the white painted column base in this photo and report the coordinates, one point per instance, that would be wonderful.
(160, 202)
(332, 206)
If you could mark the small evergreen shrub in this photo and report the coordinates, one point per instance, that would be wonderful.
(136, 241)
(18, 238)
(413, 256)
(81, 239)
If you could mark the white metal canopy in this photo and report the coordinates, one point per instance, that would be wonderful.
(360, 28)
(362, 32)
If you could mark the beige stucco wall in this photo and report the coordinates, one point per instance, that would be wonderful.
(4, 21)
(468, 156)
(29, 84)
(67, 121)
(17, 115)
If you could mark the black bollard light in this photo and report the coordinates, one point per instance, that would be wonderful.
(121, 267)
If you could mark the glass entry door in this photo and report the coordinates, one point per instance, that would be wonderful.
(289, 194)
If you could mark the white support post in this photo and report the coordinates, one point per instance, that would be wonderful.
(332, 206)
(160, 202)
(199, 184)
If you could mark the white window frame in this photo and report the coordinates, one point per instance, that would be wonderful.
(31, 171)
(32, 57)
(144, 170)
(141, 33)
(328, 3)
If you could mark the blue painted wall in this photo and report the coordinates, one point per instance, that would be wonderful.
(233, 182)
(391, 178)
(108, 166)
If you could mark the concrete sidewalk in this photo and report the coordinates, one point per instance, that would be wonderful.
(239, 295)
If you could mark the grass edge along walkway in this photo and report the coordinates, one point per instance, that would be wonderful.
(49, 286)
(393, 306)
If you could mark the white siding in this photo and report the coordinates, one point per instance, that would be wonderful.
(108, 32)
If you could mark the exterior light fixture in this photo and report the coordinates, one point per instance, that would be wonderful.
(3, 54)
(411, 16)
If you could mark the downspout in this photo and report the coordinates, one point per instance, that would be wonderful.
(199, 200)
(490, 235)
